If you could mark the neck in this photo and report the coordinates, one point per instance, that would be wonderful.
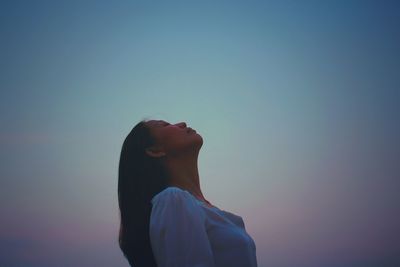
(183, 173)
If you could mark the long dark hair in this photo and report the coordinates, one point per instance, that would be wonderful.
(140, 177)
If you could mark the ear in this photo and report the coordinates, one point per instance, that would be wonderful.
(153, 152)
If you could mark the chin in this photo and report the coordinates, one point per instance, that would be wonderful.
(197, 140)
(200, 140)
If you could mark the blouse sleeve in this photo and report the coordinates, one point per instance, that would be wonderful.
(177, 231)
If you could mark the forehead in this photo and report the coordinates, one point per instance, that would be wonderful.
(155, 123)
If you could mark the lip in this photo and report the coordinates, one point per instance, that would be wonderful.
(190, 130)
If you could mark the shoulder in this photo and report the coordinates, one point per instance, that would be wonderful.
(172, 193)
(175, 204)
(238, 220)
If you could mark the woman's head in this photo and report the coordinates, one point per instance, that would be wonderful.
(173, 140)
(142, 174)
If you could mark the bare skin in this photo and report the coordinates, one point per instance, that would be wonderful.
(178, 148)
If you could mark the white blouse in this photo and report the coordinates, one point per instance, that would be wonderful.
(185, 232)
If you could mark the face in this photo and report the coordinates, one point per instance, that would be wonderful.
(173, 139)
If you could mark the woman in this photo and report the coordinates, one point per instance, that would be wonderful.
(165, 219)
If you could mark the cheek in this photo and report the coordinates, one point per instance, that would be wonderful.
(172, 139)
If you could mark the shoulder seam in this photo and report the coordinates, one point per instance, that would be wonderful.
(168, 191)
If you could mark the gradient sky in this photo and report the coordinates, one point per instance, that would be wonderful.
(297, 103)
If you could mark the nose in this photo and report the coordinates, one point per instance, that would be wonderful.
(182, 124)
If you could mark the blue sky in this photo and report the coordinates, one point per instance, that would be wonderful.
(297, 103)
